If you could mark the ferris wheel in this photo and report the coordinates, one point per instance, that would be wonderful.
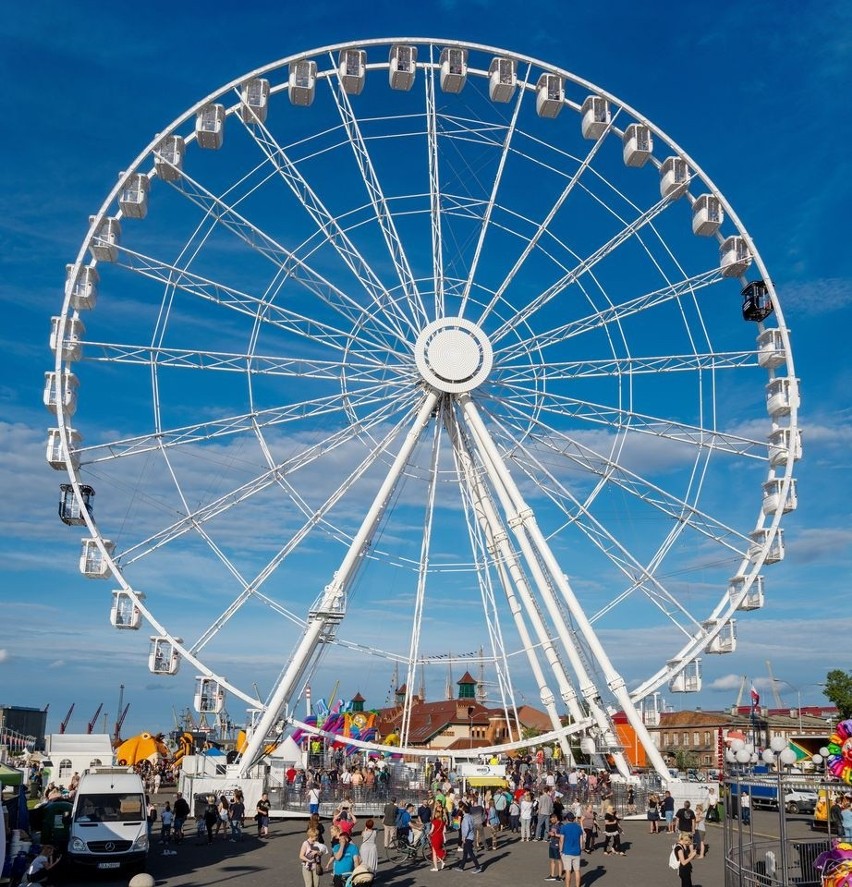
(424, 355)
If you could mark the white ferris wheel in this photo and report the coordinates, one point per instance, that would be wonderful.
(388, 351)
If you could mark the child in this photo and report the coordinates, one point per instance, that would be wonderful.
(167, 818)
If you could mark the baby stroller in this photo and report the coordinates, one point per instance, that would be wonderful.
(361, 877)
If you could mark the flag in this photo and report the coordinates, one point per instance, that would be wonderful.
(755, 696)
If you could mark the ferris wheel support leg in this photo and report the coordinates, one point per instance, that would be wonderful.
(527, 531)
(511, 577)
(332, 605)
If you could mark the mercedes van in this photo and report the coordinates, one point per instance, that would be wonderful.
(109, 827)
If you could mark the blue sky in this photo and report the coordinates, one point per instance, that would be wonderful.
(753, 93)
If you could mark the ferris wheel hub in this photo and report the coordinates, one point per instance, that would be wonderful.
(453, 355)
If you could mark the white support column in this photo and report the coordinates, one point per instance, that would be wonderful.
(332, 605)
(522, 520)
(512, 576)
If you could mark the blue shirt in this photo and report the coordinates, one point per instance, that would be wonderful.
(571, 833)
(346, 864)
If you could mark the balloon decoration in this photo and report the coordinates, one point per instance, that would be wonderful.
(840, 751)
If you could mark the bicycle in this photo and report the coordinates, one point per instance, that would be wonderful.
(400, 849)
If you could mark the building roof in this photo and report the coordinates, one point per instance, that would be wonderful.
(467, 678)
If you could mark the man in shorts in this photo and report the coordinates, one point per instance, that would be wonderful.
(570, 838)
(553, 855)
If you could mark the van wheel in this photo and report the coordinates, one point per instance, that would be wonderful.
(792, 808)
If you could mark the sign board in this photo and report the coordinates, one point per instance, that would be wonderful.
(467, 770)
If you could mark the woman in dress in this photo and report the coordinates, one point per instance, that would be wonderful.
(612, 831)
(436, 836)
(369, 853)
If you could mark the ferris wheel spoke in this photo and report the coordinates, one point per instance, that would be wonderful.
(256, 364)
(294, 267)
(373, 187)
(290, 466)
(666, 429)
(495, 188)
(328, 226)
(630, 366)
(434, 192)
(533, 242)
(584, 267)
(245, 422)
(613, 314)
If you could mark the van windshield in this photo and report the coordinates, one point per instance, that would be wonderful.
(109, 808)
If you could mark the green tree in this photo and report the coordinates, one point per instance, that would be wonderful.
(838, 688)
(685, 759)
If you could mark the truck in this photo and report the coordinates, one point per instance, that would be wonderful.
(797, 799)
(109, 823)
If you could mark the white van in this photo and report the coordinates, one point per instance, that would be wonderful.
(109, 826)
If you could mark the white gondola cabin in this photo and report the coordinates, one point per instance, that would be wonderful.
(753, 598)
(549, 95)
(780, 443)
(757, 303)
(163, 657)
(168, 160)
(687, 679)
(596, 117)
(302, 82)
(734, 257)
(62, 391)
(707, 215)
(67, 341)
(56, 452)
(674, 177)
(82, 289)
(759, 539)
(71, 509)
(209, 696)
(638, 144)
(771, 352)
(502, 79)
(725, 640)
(402, 63)
(104, 244)
(133, 197)
(255, 100)
(210, 126)
(782, 395)
(453, 66)
(773, 496)
(124, 613)
(93, 562)
(352, 68)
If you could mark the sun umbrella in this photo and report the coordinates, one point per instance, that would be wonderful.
(143, 747)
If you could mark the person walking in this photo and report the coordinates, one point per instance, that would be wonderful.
(310, 856)
(570, 834)
(684, 853)
(181, 813)
(369, 853)
(699, 830)
(468, 832)
(262, 816)
(612, 831)
(553, 855)
(436, 836)
(745, 808)
(685, 819)
(545, 808)
(589, 823)
(653, 814)
(668, 809)
(344, 856)
(526, 816)
(389, 821)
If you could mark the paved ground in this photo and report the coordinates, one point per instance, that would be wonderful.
(274, 863)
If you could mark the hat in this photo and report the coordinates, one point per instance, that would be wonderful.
(569, 815)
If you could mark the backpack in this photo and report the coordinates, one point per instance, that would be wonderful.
(674, 862)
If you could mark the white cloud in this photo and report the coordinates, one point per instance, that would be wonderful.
(4, 655)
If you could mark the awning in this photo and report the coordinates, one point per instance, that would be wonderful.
(482, 781)
(10, 776)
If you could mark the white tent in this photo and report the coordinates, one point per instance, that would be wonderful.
(288, 752)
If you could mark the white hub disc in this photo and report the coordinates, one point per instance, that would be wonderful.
(453, 355)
